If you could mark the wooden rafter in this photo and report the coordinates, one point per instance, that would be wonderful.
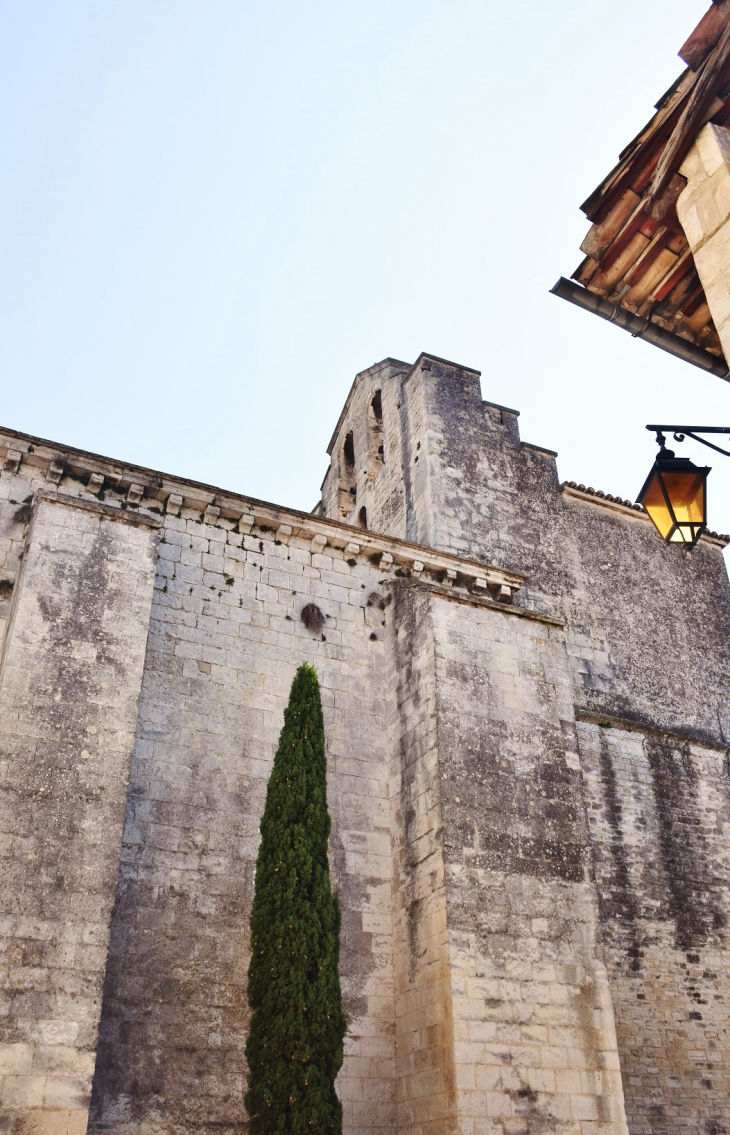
(636, 253)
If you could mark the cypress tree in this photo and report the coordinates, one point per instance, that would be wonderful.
(294, 1048)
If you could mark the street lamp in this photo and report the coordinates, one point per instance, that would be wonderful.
(675, 492)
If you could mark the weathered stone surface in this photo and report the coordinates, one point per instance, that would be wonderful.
(70, 680)
(633, 606)
(534, 1034)
(220, 661)
(703, 209)
(425, 1066)
(645, 645)
(659, 810)
(529, 797)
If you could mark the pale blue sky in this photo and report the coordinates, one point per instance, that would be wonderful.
(214, 213)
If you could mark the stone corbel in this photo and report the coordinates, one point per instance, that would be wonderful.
(173, 504)
(55, 472)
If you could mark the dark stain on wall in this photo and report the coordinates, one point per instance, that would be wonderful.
(691, 899)
(616, 897)
(662, 890)
(529, 821)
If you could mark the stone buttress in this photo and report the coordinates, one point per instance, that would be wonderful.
(69, 685)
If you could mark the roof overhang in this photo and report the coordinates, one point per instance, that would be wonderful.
(637, 258)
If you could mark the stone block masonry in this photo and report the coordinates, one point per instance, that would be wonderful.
(503, 1009)
(657, 805)
(644, 646)
(529, 799)
(225, 640)
(71, 675)
(422, 971)
(535, 1042)
(703, 209)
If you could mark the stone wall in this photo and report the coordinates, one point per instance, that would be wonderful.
(641, 616)
(535, 1041)
(484, 619)
(377, 483)
(69, 683)
(226, 638)
(422, 972)
(646, 635)
(703, 209)
(660, 812)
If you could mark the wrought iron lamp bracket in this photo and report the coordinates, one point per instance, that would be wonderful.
(681, 432)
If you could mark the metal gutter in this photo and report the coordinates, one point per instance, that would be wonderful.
(640, 328)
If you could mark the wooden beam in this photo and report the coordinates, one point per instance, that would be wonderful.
(696, 108)
(694, 51)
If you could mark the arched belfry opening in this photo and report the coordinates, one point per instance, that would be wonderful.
(376, 451)
(348, 476)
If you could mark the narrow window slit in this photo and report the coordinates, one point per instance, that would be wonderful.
(348, 476)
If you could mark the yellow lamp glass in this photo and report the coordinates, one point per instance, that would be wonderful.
(674, 497)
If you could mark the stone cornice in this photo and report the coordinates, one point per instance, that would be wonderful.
(148, 492)
(107, 511)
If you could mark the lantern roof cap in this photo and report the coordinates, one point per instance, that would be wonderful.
(667, 459)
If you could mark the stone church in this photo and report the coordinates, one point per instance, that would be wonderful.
(527, 725)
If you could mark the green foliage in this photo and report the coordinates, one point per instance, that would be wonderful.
(294, 1049)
